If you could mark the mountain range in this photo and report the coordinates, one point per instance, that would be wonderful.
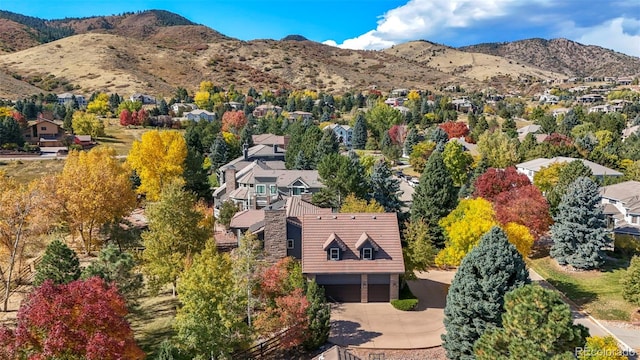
(156, 51)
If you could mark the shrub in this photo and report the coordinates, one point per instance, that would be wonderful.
(631, 282)
(405, 304)
(626, 245)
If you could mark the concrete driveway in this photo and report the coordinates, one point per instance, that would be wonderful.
(381, 326)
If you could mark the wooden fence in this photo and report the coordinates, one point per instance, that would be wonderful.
(23, 276)
(264, 349)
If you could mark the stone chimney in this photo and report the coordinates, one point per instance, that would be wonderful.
(230, 178)
(275, 234)
(245, 151)
(286, 139)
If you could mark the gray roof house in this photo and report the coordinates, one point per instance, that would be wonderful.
(621, 204)
(530, 168)
(199, 114)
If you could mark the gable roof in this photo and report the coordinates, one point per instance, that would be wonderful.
(296, 208)
(381, 228)
(366, 239)
(597, 169)
(334, 239)
(268, 139)
(254, 152)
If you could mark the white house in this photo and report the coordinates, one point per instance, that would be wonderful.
(530, 168)
(67, 98)
(621, 204)
(198, 115)
(344, 133)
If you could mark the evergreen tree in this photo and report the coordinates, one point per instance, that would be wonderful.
(411, 140)
(579, 232)
(359, 139)
(384, 188)
(631, 282)
(476, 296)
(536, 324)
(509, 127)
(10, 132)
(163, 108)
(246, 136)
(301, 162)
(59, 264)
(342, 175)
(115, 266)
(434, 197)
(328, 144)
(219, 153)
(195, 176)
(567, 124)
(319, 315)
(567, 176)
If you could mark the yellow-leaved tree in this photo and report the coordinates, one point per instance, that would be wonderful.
(84, 123)
(520, 236)
(94, 188)
(99, 105)
(158, 159)
(352, 204)
(464, 227)
(548, 176)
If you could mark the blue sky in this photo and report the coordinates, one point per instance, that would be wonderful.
(376, 24)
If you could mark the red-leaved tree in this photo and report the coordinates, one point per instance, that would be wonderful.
(292, 311)
(126, 118)
(455, 129)
(398, 133)
(233, 121)
(494, 181)
(526, 206)
(82, 318)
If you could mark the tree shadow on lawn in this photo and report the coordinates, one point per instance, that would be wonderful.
(573, 292)
(152, 323)
(110, 140)
(346, 332)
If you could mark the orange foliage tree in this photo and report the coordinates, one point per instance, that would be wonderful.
(455, 129)
(233, 121)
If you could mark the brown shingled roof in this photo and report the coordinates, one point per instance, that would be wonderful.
(380, 228)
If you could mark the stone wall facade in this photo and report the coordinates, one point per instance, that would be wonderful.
(275, 234)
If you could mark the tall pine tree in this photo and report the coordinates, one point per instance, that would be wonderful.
(328, 144)
(59, 264)
(219, 153)
(568, 175)
(384, 188)
(435, 196)
(476, 296)
(579, 232)
(359, 132)
(411, 140)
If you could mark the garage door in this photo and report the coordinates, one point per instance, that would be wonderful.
(378, 288)
(343, 288)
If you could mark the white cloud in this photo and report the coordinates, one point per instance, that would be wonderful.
(421, 18)
(620, 34)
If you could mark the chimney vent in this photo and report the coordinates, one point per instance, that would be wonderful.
(373, 217)
(353, 217)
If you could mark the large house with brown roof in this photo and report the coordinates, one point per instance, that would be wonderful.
(355, 257)
(621, 204)
(43, 132)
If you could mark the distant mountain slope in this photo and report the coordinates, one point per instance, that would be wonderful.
(563, 56)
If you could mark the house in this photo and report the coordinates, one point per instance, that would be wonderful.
(529, 129)
(560, 111)
(530, 168)
(200, 115)
(356, 257)
(184, 107)
(462, 104)
(625, 81)
(68, 98)
(235, 105)
(589, 98)
(606, 108)
(83, 140)
(549, 99)
(399, 92)
(143, 98)
(43, 132)
(271, 139)
(300, 115)
(344, 133)
(621, 204)
(264, 109)
(254, 221)
(394, 101)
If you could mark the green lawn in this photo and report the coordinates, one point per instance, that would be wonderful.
(598, 292)
(120, 138)
(152, 324)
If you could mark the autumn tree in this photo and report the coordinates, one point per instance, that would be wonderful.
(59, 264)
(99, 105)
(352, 204)
(158, 159)
(525, 206)
(22, 219)
(536, 324)
(499, 150)
(495, 181)
(381, 118)
(227, 210)
(548, 176)
(126, 118)
(464, 227)
(420, 154)
(476, 296)
(233, 121)
(247, 258)
(117, 267)
(455, 129)
(601, 348)
(175, 235)
(81, 319)
(579, 233)
(420, 252)
(210, 321)
(85, 123)
(94, 189)
(458, 162)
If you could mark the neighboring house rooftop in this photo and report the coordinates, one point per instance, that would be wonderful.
(270, 139)
(348, 228)
(254, 152)
(597, 169)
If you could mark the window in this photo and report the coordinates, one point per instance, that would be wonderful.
(261, 189)
(334, 254)
(273, 190)
(289, 243)
(367, 253)
(43, 128)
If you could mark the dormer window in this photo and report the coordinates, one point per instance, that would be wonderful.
(333, 246)
(367, 247)
(334, 254)
(367, 253)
